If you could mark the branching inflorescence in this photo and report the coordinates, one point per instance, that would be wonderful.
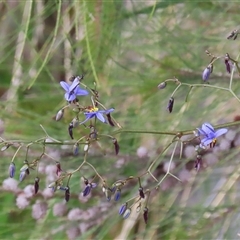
(90, 116)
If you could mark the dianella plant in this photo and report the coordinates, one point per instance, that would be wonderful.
(78, 174)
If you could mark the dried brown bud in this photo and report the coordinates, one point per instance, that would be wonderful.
(145, 215)
(110, 120)
(67, 194)
(36, 185)
(116, 145)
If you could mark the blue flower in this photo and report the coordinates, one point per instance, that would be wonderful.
(209, 135)
(94, 112)
(73, 90)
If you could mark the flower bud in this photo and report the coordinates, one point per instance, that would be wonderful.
(11, 170)
(227, 63)
(59, 169)
(162, 85)
(5, 147)
(70, 130)
(233, 34)
(207, 71)
(59, 115)
(87, 190)
(127, 213)
(110, 121)
(23, 175)
(170, 104)
(108, 194)
(36, 185)
(75, 149)
(145, 215)
(141, 193)
(122, 209)
(67, 194)
(86, 147)
(75, 122)
(117, 194)
(116, 145)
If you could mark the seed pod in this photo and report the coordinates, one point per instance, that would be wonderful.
(110, 120)
(59, 115)
(127, 213)
(67, 194)
(12, 169)
(116, 145)
(36, 185)
(141, 193)
(170, 104)
(145, 215)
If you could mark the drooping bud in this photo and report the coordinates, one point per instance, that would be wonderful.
(5, 147)
(127, 213)
(75, 122)
(122, 209)
(59, 115)
(108, 194)
(227, 63)
(145, 215)
(23, 175)
(198, 162)
(110, 121)
(162, 85)
(75, 149)
(116, 145)
(70, 130)
(12, 169)
(207, 71)
(87, 190)
(36, 185)
(53, 186)
(141, 193)
(117, 194)
(233, 34)
(59, 169)
(86, 147)
(170, 104)
(67, 194)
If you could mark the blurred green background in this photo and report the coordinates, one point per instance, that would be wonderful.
(127, 48)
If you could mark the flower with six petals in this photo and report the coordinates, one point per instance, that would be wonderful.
(209, 135)
(73, 90)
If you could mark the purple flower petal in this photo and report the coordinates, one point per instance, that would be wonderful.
(69, 97)
(207, 128)
(80, 92)
(74, 84)
(85, 120)
(100, 117)
(65, 86)
(220, 132)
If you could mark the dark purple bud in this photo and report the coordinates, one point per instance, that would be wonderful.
(59, 169)
(162, 85)
(67, 194)
(87, 190)
(110, 121)
(198, 162)
(235, 37)
(227, 63)
(12, 169)
(206, 73)
(122, 209)
(170, 104)
(145, 215)
(127, 213)
(113, 189)
(141, 193)
(70, 130)
(36, 185)
(116, 146)
(117, 194)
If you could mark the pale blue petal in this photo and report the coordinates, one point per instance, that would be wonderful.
(85, 120)
(201, 132)
(80, 92)
(74, 84)
(100, 117)
(220, 132)
(206, 141)
(65, 86)
(69, 97)
(207, 128)
(106, 111)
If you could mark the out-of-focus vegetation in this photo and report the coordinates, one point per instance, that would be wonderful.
(127, 48)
